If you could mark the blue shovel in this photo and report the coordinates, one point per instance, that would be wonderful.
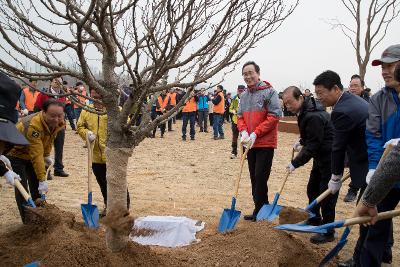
(271, 211)
(343, 239)
(230, 217)
(90, 212)
(323, 229)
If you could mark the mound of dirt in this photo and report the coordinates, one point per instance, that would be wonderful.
(252, 244)
(292, 215)
(58, 240)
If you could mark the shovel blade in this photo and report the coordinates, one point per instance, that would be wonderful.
(90, 214)
(305, 228)
(342, 242)
(228, 220)
(270, 211)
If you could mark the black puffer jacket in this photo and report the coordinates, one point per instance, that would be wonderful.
(316, 133)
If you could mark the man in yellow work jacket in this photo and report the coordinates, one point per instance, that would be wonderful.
(30, 162)
(96, 127)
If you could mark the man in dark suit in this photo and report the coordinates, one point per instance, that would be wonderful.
(349, 115)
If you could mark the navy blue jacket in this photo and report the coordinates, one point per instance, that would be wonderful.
(349, 117)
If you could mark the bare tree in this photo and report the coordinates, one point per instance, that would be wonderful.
(378, 16)
(148, 40)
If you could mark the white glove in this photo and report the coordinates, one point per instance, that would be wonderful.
(43, 187)
(25, 112)
(91, 136)
(6, 161)
(252, 139)
(335, 183)
(48, 161)
(297, 146)
(290, 168)
(10, 176)
(392, 142)
(244, 137)
(369, 175)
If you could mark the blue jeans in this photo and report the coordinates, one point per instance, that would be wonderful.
(69, 111)
(218, 120)
(191, 117)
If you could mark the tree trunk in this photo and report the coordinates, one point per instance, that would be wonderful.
(117, 162)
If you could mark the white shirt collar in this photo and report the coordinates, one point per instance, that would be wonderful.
(338, 100)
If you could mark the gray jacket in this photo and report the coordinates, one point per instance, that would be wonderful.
(384, 178)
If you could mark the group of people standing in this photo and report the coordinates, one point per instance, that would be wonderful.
(355, 134)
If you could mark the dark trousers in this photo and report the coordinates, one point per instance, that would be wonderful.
(317, 184)
(191, 117)
(260, 162)
(211, 119)
(69, 111)
(218, 121)
(203, 120)
(161, 126)
(375, 241)
(28, 180)
(100, 171)
(58, 151)
(170, 124)
(235, 136)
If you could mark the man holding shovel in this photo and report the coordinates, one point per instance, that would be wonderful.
(257, 122)
(95, 126)
(40, 129)
(374, 243)
(316, 135)
(9, 135)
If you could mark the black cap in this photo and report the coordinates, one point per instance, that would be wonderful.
(9, 95)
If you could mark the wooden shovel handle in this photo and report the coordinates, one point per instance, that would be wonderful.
(242, 159)
(90, 156)
(364, 219)
(21, 189)
(19, 186)
(286, 177)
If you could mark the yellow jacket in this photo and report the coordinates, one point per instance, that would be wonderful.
(98, 125)
(41, 140)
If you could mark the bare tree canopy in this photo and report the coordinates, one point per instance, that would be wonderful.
(188, 41)
(371, 23)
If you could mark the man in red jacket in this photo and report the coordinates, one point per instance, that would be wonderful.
(258, 117)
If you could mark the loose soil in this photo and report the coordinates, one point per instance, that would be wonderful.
(292, 215)
(170, 177)
(59, 240)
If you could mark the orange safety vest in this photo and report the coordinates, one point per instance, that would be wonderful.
(190, 106)
(162, 103)
(220, 108)
(173, 99)
(30, 98)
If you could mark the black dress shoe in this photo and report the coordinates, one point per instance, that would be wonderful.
(322, 238)
(348, 263)
(61, 173)
(351, 195)
(49, 177)
(249, 218)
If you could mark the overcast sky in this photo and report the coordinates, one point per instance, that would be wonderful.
(305, 46)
